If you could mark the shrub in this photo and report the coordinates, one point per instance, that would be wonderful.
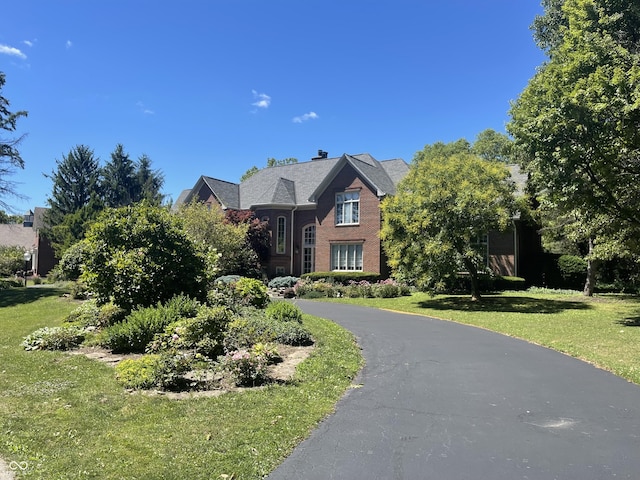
(11, 260)
(10, 283)
(253, 292)
(227, 279)
(140, 255)
(255, 328)
(138, 373)
(342, 277)
(203, 333)
(70, 265)
(140, 326)
(283, 282)
(573, 270)
(386, 290)
(54, 338)
(85, 315)
(246, 368)
(283, 312)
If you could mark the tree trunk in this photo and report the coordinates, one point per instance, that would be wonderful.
(475, 284)
(592, 269)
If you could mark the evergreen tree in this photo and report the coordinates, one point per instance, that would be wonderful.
(119, 182)
(149, 182)
(75, 197)
(10, 158)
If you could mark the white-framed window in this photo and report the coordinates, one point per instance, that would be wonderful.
(281, 235)
(348, 208)
(346, 257)
(309, 249)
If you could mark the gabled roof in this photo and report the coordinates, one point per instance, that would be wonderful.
(370, 170)
(268, 184)
(227, 193)
(299, 184)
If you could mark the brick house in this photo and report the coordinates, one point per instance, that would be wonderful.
(27, 235)
(325, 214)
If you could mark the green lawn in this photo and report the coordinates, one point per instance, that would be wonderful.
(67, 418)
(603, 330)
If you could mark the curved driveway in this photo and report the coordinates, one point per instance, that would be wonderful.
(445, 401)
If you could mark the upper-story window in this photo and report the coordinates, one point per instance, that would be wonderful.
(281, 235)
(347, 208)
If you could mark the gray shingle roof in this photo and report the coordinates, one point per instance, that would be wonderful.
(17, 235)
(227, 193)
(297, 183)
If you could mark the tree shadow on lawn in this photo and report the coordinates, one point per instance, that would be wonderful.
(504, 304)
(633, 321)
(17, 296)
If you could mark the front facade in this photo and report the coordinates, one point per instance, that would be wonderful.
(324, 215)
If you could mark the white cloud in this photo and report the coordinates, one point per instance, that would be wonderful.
(305, 117)
(144, 109)
(69, 44)
(14, 52)
(262, 100)
(29, 43)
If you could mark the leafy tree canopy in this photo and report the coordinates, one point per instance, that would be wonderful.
(140, 255)
(577, 123)
(492, 145)
(208, 227)
(10, 158)
(446, 202)
(578, 119)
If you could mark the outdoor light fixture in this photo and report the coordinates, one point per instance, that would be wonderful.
(27, 258)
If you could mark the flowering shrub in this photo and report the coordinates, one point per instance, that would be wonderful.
(245, 367)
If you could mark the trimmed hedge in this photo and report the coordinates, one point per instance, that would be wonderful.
(343, 277)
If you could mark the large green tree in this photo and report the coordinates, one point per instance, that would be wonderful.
(119, 182)
(75, 197)
(140, 255)
(149, 182)
(577, 123)
(441, 208)
(10, 158)
(492, 145)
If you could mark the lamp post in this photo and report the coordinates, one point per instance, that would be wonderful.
(27, 258)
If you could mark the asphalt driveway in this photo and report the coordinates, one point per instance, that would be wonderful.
(439, 400)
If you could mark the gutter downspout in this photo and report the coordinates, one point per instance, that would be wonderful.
(292, 239)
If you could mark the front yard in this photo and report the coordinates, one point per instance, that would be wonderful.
(65, 416)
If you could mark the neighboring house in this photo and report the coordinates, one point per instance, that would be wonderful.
(325, 214)
(27, 235)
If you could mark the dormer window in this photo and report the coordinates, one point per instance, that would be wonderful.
(348, 208)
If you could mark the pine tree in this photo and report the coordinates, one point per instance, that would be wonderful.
(75, 197)
(119, 179)
(149, 182)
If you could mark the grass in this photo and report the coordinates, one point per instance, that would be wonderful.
(603, 330)
(67, 418)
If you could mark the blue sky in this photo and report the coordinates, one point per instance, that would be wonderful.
(214, 87)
